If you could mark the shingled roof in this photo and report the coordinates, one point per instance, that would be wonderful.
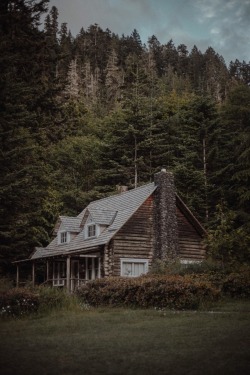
(113, 211)
(99, 216)
(70, 224)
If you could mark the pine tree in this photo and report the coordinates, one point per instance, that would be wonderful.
(76, 163)
(170, 56)
(24, 175)
(65, 52)
(72, 88)
(114, 79)
(230, 236)
(155, 51)
(196, 70)
(184, 140)
(235, 148)
(240, 71)
(182, 67)
(216, 75)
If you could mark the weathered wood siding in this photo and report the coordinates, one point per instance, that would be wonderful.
(135, 238)
(190, 241)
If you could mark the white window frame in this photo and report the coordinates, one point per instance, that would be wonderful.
(134, 261)
(58, 279)
(97, 230)
(89, 226)
(65, 234)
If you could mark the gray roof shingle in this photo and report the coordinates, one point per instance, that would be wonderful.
(102, 217)
(71, 224)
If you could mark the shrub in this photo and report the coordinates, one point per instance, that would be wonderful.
(6, 284)
(18, 302)
(175, 292)
(51, 299)
(237, 284)
(232, 280)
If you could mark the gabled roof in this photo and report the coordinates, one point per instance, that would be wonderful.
(188, 214)
(70, 224)
(114, 212)
(99, 216)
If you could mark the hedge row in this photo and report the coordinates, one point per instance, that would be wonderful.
(237, 284)
(18, 302)
(233, 284)
(159, 291)
(174, 292)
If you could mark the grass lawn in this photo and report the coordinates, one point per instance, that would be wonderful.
(123, 341)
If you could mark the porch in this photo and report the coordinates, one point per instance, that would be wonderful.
(64, 272)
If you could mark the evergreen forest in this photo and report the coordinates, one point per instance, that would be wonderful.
(81, 115)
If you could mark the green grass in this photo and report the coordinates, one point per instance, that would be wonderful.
(123, 341)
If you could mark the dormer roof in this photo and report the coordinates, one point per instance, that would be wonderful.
(69, 224)
(99, 216)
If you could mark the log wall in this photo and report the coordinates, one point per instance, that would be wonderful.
(190, 241)
(135, 238)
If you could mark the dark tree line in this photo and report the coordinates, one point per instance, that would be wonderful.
(81, 115)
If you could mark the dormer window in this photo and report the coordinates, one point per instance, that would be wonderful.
(63, 238)
(91, 230)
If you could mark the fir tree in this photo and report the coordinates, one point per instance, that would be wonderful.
(27, 201)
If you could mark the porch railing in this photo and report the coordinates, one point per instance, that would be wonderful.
(74, 282)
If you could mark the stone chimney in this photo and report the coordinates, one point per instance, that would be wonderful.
(121, 188)
(166, 241)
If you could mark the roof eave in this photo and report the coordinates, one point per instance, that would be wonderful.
(186, 211)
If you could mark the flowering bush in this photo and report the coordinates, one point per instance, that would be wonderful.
(173, 291)
(18, 302)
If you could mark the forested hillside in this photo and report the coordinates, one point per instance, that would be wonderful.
(81, 115)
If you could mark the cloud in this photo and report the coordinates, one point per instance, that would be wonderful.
(229, 26)
(222, 24)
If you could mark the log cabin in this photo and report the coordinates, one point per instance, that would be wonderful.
(121, 235)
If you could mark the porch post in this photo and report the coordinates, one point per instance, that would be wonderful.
(33, 273)
(47, 270)
(53, 276)
(93, 269)
(68, 274)
(17, 275)
(99, 268)
(86, 269)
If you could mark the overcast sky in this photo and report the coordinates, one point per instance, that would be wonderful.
(221, 24)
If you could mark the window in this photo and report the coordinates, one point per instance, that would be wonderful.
(63, 237)
(59, 273)
(91, 230)
(133, 267)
